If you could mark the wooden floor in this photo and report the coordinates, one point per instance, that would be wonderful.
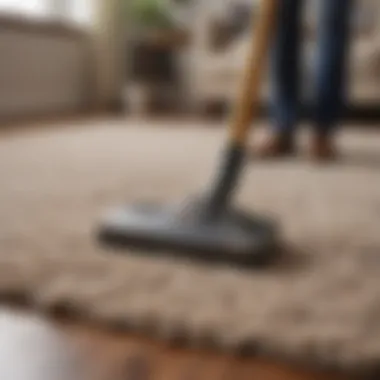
(126, 357)
(30, 349)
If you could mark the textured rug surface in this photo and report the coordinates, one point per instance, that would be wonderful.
(320, 304)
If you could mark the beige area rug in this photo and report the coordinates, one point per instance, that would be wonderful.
(321, 305)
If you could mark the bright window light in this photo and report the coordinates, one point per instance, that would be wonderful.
(77, 11)
(32, 7)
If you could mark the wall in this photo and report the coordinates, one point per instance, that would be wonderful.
(108, 35)
(44, 69)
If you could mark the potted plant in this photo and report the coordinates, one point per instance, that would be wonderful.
(156, 36)
(154, 19)
(151, 14)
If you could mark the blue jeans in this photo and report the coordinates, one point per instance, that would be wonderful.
(330, 69)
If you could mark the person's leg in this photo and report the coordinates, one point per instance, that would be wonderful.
(285, 65)
(331, 70)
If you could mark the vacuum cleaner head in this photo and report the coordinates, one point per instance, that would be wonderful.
(231, 237)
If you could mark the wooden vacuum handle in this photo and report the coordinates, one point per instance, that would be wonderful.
(247, 103)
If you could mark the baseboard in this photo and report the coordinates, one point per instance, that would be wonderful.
(364, 113)
(29, 122)
(368, 113)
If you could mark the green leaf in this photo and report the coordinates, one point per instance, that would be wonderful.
(151, 13)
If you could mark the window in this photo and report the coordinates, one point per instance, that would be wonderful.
(71, 11)
(82, 11)
(25, 7)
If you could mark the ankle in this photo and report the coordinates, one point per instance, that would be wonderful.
(277, 144)
(322, 146)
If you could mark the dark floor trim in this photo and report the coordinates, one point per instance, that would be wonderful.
(366, 113)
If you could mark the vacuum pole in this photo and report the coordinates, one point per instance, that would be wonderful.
(246, 107)
(247, 104)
